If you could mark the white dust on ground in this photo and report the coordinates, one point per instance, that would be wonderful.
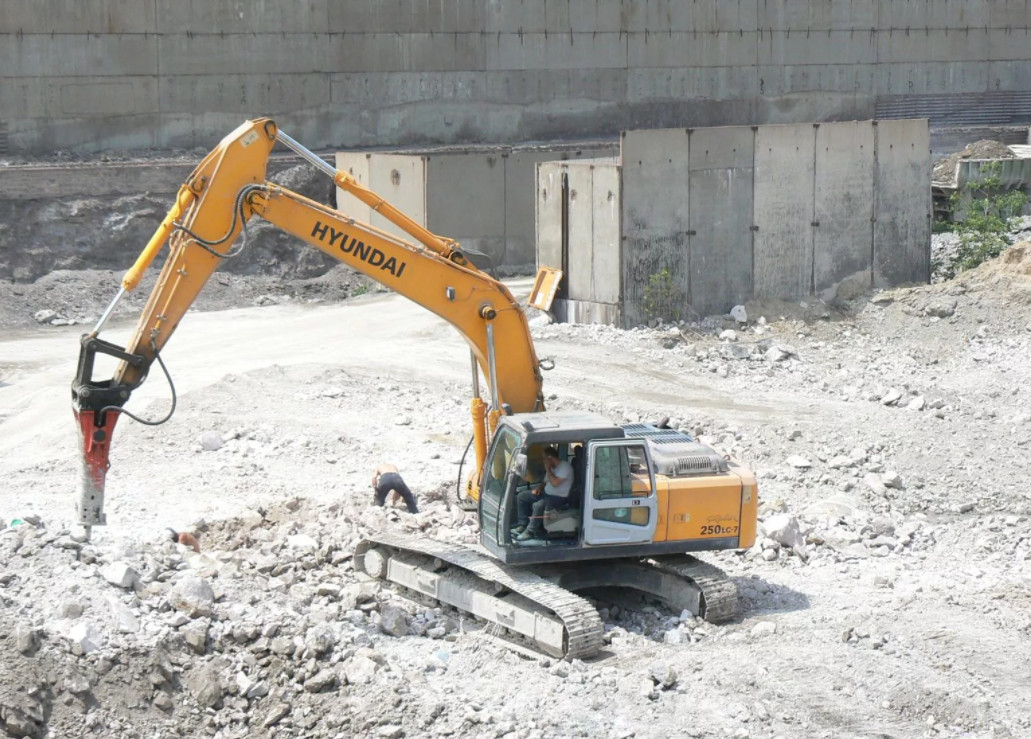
(894, 435)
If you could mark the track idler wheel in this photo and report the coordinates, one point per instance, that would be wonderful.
(375, 563)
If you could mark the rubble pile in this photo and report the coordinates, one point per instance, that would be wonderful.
(888, 591)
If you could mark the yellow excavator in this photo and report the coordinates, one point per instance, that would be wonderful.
(641, 499)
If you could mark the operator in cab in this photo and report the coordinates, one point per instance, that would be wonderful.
(553, 494)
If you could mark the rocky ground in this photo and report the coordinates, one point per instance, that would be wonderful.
(888, 597)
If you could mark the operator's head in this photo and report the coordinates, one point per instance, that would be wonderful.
(550, 451)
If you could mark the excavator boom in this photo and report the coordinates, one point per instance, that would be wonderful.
(212, 208)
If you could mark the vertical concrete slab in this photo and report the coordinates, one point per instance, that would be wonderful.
(548, 214)
(355, 164)
(400, 179)
(581, 231)
(465, 200)
(605, 285)
(902, 229)
(655, 213)
(843, 242)
(784, 166)
(720, 234)
(521, 191)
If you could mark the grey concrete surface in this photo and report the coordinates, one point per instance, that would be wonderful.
(115, 74)
(902, 229)
(735, 213)
(482, 197)
(721, 192)
(784, 165)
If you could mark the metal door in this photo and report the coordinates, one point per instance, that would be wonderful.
(494, 481)
(620, 504)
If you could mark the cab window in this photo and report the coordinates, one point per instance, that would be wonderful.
(501, 457)
(620, 472)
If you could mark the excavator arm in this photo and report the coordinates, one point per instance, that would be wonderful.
(212, 207)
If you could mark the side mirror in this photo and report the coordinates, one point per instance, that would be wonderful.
(519, 465)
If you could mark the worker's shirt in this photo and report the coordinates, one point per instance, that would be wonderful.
(562, 470)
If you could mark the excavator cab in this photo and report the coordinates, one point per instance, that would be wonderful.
(613, 501)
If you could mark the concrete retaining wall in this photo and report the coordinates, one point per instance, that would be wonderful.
(90, 75)
(578, 224)
(482, 198)
(736, 213)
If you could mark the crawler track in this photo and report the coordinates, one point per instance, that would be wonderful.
(555, 620)
(719, 594)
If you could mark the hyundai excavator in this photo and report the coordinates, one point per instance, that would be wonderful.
(645, 497)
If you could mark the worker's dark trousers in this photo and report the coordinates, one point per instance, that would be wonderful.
(391, 481)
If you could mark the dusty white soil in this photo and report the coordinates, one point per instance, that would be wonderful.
(895, 435)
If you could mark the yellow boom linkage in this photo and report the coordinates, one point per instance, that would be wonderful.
(226, 189)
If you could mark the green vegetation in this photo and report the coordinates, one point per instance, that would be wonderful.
(987, 211)
(662, 298)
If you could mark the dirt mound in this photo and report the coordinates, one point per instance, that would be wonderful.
(945, 169)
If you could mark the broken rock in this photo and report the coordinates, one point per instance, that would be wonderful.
(393, 621)
(119, 574)
(193, 596)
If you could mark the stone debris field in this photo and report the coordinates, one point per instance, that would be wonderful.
(889, 594)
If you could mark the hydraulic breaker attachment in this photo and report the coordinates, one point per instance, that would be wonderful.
(97, 405)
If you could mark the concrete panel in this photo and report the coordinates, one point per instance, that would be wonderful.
(555, 51)
(78, 55)
(406, 16)
(232, 16)
(270, 94)
(1006, 14)
(605, 285)
(400, 180)
(720, 247)
(921, 45)
(784, 15)
(580, 272)
(1009, 44)
(527, 16)
(355, 164)
(780, 80)
(465, 200)
(397, 88)
(250, 53)
(588, 16)
(655, 213)
(394, 52)
(76, 17)
(784, 166)
(56, 97)
(736, 15)
(1008, 75)
(826, 47)
(520, 195)
(843, 242)
(966, 13)
(548, 214)
(716, 49)
(664, 16)
(902, 229)
(920, 14)
(712, 83)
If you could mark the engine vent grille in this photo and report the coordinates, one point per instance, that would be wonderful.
(4, 148)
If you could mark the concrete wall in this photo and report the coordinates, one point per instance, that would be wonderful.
(91, 75)
(483, 198)
(736, 213)
(578, 226)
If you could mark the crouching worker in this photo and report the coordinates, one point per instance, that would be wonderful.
(386, 479)
(552, 495)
